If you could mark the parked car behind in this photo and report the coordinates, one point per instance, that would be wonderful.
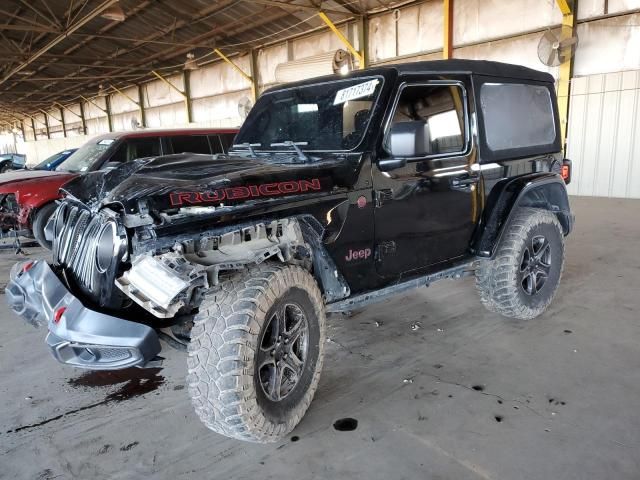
(27, 197)
(52, 162)
(12, 161)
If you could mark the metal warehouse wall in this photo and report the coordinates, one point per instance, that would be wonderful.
(609, 32)
(604, 135)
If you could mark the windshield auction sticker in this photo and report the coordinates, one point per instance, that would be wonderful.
(356, 91)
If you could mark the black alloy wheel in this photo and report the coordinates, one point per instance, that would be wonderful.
(283, 353)
(535, 265)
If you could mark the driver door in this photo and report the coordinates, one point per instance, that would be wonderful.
(426, 200)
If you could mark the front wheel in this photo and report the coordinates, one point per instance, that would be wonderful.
(40, 219)
(522, 278)
(256, 352)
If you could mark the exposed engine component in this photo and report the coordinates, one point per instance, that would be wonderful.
(237, 248)
(163, 284)
(168, 283)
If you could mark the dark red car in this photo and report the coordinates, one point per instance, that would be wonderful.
(27, 197)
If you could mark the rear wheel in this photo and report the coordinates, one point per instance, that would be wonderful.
(256, 352)
(522, 278)
(40, 219)
(5, 167)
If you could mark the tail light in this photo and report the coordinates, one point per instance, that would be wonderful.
(565, 172)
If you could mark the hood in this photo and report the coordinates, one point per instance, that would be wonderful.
(41, 184)
(176, 181)
(22, 175)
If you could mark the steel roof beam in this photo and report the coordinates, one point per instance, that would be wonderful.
(295, 6)
(29, 28)
(81, 22)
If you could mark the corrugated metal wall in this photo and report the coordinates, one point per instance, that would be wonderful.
(483, 29)
(604, 135)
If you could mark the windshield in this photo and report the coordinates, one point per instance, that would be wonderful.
(326, 116)
(51, 160)
(87, 157)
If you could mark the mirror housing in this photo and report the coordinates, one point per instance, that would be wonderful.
(410, 139)
(388, 164)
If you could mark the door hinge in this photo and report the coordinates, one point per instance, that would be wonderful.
(385, 248)
(383, 196)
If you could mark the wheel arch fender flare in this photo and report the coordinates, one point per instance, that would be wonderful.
(538, 190)
(330, 280)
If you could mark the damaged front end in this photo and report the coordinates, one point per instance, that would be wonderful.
(172, 282)
(130, 267)
(9, 213)
(95, 280)
(77, 336)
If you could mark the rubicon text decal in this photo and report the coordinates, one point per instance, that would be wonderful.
(244, 192)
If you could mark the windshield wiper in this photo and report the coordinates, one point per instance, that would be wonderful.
(295, 146)
(247, 146)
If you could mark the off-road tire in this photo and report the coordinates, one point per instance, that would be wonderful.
(499, 281)
(223, 377)
(40, 219)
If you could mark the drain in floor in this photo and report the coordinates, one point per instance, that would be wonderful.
(345, 424)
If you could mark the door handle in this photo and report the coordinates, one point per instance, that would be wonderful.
(464, 182)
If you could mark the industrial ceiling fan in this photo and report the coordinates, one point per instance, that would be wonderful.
(554, 50)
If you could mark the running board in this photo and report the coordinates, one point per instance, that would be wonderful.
(364, 299)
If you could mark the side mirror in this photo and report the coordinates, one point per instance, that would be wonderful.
(409, 139)
(388, 164)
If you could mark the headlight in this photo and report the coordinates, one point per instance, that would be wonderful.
(106, 246)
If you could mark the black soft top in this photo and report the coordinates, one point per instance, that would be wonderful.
(478, 67)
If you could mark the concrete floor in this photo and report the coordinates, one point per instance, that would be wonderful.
(467, 395)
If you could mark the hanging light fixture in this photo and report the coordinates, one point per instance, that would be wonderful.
(114, 12)
(342, 62)
(102, 92)
(191, 63)
(333, 62)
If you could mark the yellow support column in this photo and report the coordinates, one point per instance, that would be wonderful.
(253, 81)
(447, 29)
(137, 103)
(187, 102)
(566, 68)
(359, 55)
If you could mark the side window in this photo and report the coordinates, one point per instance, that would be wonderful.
(225, 140)
(216, 144)
(120, 155)
(189, 144)
(142, 147)
(439, 112)
(517, 115)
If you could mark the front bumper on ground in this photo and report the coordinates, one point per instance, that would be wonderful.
(77, 335)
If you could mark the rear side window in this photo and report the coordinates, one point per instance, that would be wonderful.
(517, 116)
(133, 148)
(224, 142)
(189, 144)
(143, 147)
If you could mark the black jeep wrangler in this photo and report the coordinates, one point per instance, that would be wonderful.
(339, 192)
